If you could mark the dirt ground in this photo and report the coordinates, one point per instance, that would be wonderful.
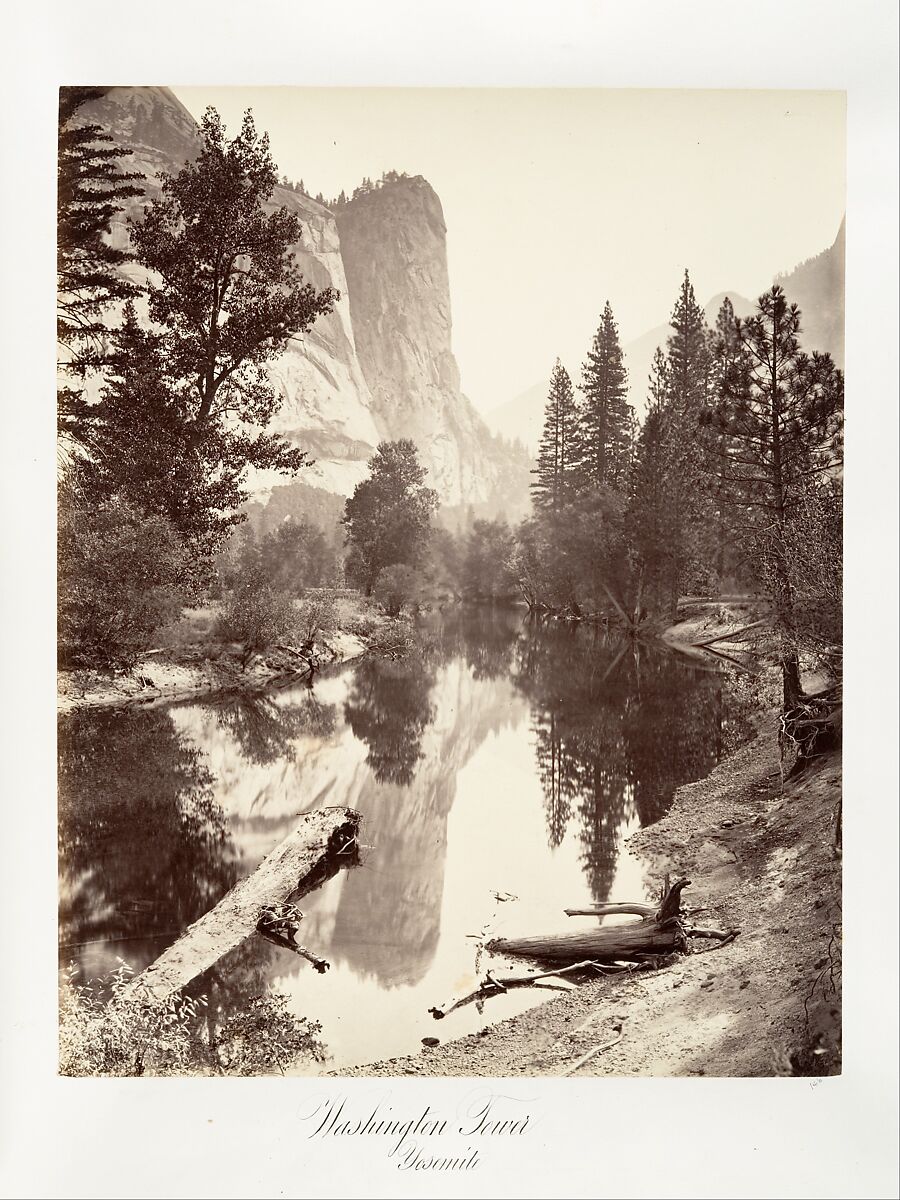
(764, 858)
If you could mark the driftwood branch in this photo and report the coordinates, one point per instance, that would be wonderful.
(609, 910)
(323, 843)
(493, 985)
(659, 933)
(619, 1028)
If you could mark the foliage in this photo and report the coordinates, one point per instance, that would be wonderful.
(227, 296)
(388, 517)
(111, 1035)
(121, 574)
(398, 587)
(293, 556)
(486, 572)
(605, 417)
(315, 614)
(779, 414)
(91, 189)
(557, 461)
(393, 639)
(813, 549)
(258, 615)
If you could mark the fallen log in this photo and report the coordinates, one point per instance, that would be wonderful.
(657, 935)
(323, 843)
(608, 910)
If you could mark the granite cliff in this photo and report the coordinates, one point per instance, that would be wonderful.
(381, 364)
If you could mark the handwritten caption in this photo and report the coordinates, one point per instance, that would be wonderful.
(424, 1139)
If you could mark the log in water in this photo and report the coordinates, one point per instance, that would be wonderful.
(323, 842)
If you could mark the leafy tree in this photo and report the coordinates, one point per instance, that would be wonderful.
(145, 452)
(122, 573)
(397, 587)
(485, 570)
(227, 295)
(388, 517)
(782, 412)
(92, 187)
(557, 453)
(605, 417)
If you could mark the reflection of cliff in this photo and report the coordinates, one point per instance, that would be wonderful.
(388, 917)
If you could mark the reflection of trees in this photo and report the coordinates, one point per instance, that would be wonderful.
(485, 637)
(616, 731)
(266, 731)
(142, 842)
(389, 708)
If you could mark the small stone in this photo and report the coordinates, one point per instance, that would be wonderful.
(744, 983)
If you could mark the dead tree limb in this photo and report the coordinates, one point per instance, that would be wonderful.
(609, 910)
(493, 985)
(658, 935)
(323, 843)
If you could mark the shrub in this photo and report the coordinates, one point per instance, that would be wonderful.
(393, 639)
(397, 587)
(122, 573)
(103, 1034)
(316, 613)
(258, 615)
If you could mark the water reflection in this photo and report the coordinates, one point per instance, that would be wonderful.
(143, 844)
(618, 727)
(389, 708)
(266, 732)
(501, 756)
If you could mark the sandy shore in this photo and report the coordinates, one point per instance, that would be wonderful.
(169, 675)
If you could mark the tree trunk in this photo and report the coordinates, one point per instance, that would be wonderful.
(661, 933)
(323, 843)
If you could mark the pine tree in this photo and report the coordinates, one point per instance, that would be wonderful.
(556, 464)
(648, 516)
(781, 411)
(91, 190)
(605, 418)
(689, 380)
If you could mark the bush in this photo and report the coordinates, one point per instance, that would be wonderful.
(102, 1034)
(393, 639)
(397, 587)
(316, 613)
(122, 574)
(258, 615)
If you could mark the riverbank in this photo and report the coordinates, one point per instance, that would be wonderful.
(763, 856)
(194, 663)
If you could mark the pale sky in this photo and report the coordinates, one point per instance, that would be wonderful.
(556, 200)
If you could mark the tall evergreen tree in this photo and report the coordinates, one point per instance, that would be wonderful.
(605, 418)
(557, 462)
(782, 412)
(689, 379)
(648, 516)
(92, 187)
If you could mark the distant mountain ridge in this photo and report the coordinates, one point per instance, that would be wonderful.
(816, 286)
